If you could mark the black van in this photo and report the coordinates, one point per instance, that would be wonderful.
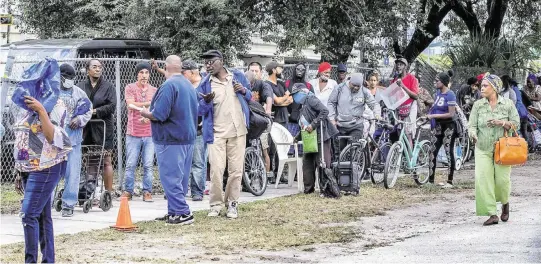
(85, 48)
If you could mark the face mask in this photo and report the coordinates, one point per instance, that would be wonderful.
(323, 78)
(298, 97)
(68, 83)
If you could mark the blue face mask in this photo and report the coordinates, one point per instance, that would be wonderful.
(298, 97)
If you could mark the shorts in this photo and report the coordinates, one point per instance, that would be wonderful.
(265, 138)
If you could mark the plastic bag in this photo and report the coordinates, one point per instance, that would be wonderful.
(309, 141)
(41, 81)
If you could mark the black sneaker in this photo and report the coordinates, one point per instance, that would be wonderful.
(66, 212)
(181, 219)
(163, 218)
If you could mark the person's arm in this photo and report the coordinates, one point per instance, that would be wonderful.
(514, 118)
(537, 94)
(318, 106)
(110, 107)
(451, 112)
(472, 123)
(162, 105)
(83, 119)
(332, 104)
(155, 67)
(51, 123)
(267, 95)
(130, 98)
(513, 96)
(413, 93)
(372, 103)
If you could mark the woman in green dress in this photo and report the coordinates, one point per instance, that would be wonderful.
(490, 117)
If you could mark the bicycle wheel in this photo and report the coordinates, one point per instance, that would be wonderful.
(357, 156)
(254, 176)
(379, 157)
(422, 171)
(392, 165)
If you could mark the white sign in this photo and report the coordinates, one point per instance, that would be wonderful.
(393, 96)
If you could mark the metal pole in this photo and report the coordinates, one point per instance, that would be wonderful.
(120, 161)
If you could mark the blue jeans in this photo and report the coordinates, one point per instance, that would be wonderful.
(72, 177)
(174, 163)
(36, 213)
(133, 149)
(198, 174)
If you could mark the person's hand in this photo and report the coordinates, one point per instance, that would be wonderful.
(34, 104)
(94, 111)
(239, 88)
(287, 93)
(495, 123)
(144, 112)
(309, 128)
(19, 184)
(333, 122)
(74, 124)
(154, 64)
(473, 138)
(289, 101)
(207, 97)
(399, 82)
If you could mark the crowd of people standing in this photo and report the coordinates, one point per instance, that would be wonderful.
(193, 119)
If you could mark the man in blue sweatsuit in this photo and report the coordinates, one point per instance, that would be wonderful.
(173, 115)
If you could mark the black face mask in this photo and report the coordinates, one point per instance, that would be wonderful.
(279, 75)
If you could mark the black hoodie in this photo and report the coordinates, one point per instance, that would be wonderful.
(294, 108)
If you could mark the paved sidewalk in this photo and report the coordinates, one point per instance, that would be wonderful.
(11, 230)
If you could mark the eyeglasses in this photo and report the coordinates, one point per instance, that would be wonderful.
(94, 67)
(210, 62)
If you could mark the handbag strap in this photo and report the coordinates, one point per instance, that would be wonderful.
(513, 128)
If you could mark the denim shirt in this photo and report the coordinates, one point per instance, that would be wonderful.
(206, 110)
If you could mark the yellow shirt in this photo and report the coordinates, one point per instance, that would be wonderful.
(229, 120)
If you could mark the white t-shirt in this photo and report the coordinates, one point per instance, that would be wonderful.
(323, 95)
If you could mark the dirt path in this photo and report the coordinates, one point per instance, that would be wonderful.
(445, 231)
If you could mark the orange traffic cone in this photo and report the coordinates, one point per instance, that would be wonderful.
(123, 221)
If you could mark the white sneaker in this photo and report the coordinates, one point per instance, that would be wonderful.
(214, 212)
(232, 210)
(445, 185)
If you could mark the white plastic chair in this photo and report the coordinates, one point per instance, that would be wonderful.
(283, 141)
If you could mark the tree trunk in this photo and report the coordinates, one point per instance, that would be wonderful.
(497, 11)
(339, 49)
(468, 16)
(426, 33)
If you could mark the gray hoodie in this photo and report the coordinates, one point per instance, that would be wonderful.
(347, 108)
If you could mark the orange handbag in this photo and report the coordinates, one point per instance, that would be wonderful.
(511, 150)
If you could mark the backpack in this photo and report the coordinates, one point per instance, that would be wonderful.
(259, 120)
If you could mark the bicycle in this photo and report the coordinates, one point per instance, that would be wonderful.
(370, 153)
(417, 157)
(254, 177)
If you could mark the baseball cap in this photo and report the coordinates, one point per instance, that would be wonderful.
(189, 65)
(342, 67)
(212, 54)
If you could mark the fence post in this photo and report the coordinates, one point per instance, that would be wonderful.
(120, 161)
(6, 80)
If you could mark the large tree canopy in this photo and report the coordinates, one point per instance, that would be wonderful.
(186, 28)
(333, 27)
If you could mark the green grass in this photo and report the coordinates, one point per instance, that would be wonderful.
(10, 200)
(275, 224)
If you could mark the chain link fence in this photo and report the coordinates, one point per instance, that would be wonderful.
(120, 72)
